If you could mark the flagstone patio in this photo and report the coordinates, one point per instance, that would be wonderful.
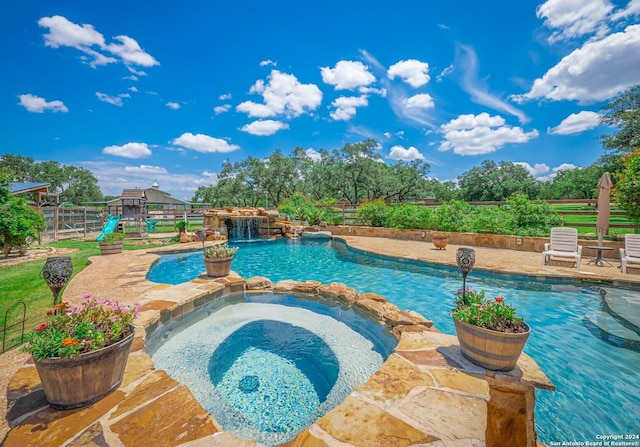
(424, 394)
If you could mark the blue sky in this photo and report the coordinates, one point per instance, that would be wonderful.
(164, 92)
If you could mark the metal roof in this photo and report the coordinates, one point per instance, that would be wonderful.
(21, 188)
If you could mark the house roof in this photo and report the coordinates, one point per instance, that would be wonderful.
(22, 188)
(133, 194)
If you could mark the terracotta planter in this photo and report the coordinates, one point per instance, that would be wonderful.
(440, 242)
(497, 351)
(218, 267)
(111, 249)
(83, 380)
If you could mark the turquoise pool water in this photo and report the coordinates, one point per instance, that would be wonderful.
(598, 385)
(267, 366)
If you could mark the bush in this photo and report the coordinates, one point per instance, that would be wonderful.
(373, 213)
(406, 217)
(519, 217)
(301, 207)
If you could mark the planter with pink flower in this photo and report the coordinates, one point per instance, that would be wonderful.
(81, 351)
(489, 332)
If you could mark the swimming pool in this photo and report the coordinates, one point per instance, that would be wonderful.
(598, 385)
(267, 366)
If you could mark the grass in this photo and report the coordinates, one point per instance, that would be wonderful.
(591, 219)
(22, 283)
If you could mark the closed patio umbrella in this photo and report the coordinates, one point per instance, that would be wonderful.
(604, 197)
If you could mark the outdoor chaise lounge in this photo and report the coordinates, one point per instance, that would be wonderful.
(563, 244)
(630, 254)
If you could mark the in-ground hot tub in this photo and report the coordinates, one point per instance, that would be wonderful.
(267, 366)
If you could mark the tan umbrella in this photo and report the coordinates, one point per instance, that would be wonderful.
(604, 197)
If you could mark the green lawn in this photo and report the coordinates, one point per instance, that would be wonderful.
(22, 283)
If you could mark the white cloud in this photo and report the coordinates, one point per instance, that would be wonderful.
(632, 9)
(38, 105)
(346, 107)
(576, 123)
(467, 60)
(130, 52)
(225, 97)
(444, 73)
(264, 127)
(409, 154)
(597, 71)
(222, 109)
(470, 121)
(145, 169)
(554, 171)
(85, 38)
(204, 143)
(313, 154)
(283, 94)
(387, 134)
(411, 71)
(373, 91)
(347, 75)
(575, 18)
(129, 150)
(115, 100)
(267, 62)
(397, 97)
(565, 167)
(420, 101)
(173, 105)
(133, 89)
(537, 170)
(481, 134)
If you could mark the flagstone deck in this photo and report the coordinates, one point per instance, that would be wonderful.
(425, 393)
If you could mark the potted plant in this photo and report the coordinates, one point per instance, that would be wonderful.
(112, 243)
(81, 351)
(490, 333)
(181, 226)
(217, 259)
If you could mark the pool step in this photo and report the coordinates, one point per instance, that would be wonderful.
(625, 308)
(607, 327)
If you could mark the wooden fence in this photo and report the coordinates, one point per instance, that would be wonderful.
(66, 223)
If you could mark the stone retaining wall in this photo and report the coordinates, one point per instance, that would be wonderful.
(521, 243)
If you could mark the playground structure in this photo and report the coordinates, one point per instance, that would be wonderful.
(110, 226)
(132, 214)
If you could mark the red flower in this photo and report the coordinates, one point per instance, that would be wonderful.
(499, 299)
(41, 328)
(70, 342)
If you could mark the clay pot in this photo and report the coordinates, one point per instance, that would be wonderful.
(440, 242)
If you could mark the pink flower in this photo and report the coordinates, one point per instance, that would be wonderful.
(41, 328)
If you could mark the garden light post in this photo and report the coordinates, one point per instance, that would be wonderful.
(201, 234)
(56, 272)
(465, 258)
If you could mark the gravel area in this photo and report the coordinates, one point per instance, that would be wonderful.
(11, 361)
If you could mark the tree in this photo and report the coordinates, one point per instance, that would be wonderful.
(624, 113)
(18, 221)
(627, 188)
(493, 182)
(74, 184)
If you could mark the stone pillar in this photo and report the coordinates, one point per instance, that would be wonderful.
(510, 414)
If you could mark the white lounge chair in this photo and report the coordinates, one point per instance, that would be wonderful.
(563, 244)
(630, 254)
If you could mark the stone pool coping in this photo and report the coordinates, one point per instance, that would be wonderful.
(414, 398)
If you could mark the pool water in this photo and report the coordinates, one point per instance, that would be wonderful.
(267, 366)
(598, 384)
